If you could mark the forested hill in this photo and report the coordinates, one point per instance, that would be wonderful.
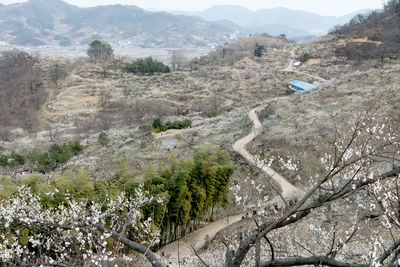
(54, 22)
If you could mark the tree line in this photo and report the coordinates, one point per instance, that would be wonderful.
(146, 65)
(42, 162)
(158, 126)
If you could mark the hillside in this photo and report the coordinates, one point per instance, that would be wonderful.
(56, 23)
(276, 21)
(307, 178)
(375, 35)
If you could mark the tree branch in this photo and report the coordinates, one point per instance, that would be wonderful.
(132, 245)
(271, 247)
(294, 215)
(389, 251)
(198, 256)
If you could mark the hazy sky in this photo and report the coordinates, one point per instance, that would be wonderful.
(323, 7)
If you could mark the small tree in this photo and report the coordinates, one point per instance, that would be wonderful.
(57, 72)
(17, 159)
(3, 160)
(103, 139)
(157, 123)
(178, 59)
(259, 50)
(282, 36)
(100, 51)
(337, 29)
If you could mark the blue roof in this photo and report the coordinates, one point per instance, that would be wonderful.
(302, 86)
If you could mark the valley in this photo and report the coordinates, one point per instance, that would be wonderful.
(209, 160)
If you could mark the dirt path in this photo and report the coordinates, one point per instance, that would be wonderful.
(288, 190)
(197, 239)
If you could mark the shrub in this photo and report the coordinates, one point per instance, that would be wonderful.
(259, 50)
(76, 148)
(16, 159)
(3, 160)
(178, 124)
(305, 57)
(157, 123)
(60, 153)
(146, 66)
(212, 113)
(43, 161)
(159, 127)
(103, 139)
(7, 187)
(374, 37)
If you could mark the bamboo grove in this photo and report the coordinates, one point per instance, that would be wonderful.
(190, 190)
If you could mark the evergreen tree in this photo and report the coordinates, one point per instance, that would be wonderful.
(100, 51)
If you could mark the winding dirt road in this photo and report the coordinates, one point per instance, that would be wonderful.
(197, 239)
(288, 190)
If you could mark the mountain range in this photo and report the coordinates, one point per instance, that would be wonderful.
(293, 23)
(57, 23)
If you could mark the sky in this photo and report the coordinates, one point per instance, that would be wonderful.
(322, 7)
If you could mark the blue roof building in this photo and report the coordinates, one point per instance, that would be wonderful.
(301, 86)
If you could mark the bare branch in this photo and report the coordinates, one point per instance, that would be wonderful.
(132, 245)
(198, 256)
(389, 251)
(294, 215)
(271, 247)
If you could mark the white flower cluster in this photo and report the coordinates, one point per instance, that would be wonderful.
(290, 164)
(31, 234)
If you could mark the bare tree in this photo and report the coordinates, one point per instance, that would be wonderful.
(104, 119)
(337, 29)
(215, 102)
(22, 90)
(53, 133)
(57, 72)
(105, 99)
(178, 59)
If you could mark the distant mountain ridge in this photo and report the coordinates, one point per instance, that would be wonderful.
(57, 23)
(293, 23)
